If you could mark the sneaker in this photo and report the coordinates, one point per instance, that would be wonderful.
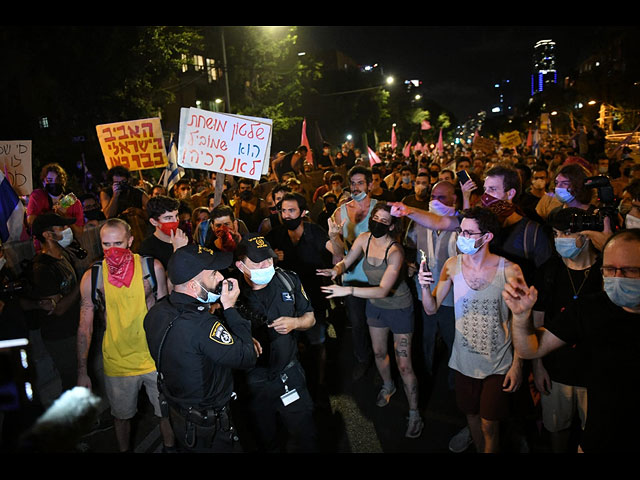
(461, 441)
(384, 396)
(414, 429)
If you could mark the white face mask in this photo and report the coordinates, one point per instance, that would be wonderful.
(631, 222)
(441, 209)
(67, 238)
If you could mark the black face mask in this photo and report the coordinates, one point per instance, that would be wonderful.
(246, 195)
(53, 189)
(378, 229)
(292, 223)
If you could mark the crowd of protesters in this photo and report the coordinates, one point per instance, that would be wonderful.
(462, 246)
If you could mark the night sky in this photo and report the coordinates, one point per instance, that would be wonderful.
(458, 65)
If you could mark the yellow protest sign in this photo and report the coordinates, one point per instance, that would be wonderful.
(510, 140)
(136, 144)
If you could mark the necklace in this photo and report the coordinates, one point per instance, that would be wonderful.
(573, 287)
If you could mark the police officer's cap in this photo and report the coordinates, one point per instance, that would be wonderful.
(190, 260)
(255, 247)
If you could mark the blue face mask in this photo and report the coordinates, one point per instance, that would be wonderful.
(467, 245)
(358, 197)
(211, 297)
(624, 292)
(262, 276)
(567, 248)
(564, 195)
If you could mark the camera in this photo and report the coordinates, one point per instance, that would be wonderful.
(607, 207)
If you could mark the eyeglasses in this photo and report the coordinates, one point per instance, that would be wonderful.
(467, 233)
(627, 272)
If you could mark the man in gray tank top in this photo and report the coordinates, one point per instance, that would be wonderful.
(486, 367)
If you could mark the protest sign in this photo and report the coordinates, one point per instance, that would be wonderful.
(484, 145)
(510, 140)
(224, 143)
(15, 163)
(136, 144)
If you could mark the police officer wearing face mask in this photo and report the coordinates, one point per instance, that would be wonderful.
(195, 351)
(278, 306)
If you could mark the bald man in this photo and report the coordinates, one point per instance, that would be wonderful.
(438, 246)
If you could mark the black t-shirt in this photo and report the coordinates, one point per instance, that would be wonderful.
(52, 276)
(525, 243)
(306, 257)
(555, 293)
(152, 246)
(611, 340)
(274, 301)
(386, 196)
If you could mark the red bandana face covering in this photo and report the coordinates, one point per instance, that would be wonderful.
(169, 227)
(501, 208)
(119, 266)
(227, 243)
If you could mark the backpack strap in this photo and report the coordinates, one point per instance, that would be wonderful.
(526, 237)
(149, 272)
(97, 297)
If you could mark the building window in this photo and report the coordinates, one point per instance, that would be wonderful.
(212, 72)
(185, 63)
(43, 122)
(198, 62)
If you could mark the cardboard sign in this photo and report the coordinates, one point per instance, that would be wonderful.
(510, 140)
(15, 162)
(137, 144)
(224, 143)
(485, 145)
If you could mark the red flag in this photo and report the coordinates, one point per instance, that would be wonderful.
(304, 141)
(394, 140)
(440, 144)
(425, 125)
(373, 158)
(530, 139)
(475, 136)
(418, 147)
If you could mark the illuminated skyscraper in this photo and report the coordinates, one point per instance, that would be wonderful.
(544, 66)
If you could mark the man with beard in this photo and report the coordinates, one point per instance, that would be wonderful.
(123, 292)
(349, 221)
(248, 207)
(301, 248)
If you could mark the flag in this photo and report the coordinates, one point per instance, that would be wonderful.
(305, 141)
(530, 138)
(406, 151)
(425, 125)
(418, 147)
(536, 142)
(173, 172)
(440, 145)
(394, 140)
(476, 136)
(11, 212)
(373, 158)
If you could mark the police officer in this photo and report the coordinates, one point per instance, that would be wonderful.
(195, 351)
(278, 306)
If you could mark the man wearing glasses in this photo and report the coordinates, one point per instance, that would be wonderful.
(486, 368)
(607, 325)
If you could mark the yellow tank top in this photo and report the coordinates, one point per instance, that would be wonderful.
(124, 347)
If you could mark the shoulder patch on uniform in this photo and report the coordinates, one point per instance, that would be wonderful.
(220, 334)
(303, 292)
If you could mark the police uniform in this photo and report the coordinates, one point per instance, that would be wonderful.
(276, 385)
(195, 353)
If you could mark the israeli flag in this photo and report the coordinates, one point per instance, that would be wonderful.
(173, 172)
(11, 212)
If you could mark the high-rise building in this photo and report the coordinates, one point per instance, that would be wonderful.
(503, 104)
(544, 66)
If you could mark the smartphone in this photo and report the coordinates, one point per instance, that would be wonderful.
(423, 261)
(463, 176)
